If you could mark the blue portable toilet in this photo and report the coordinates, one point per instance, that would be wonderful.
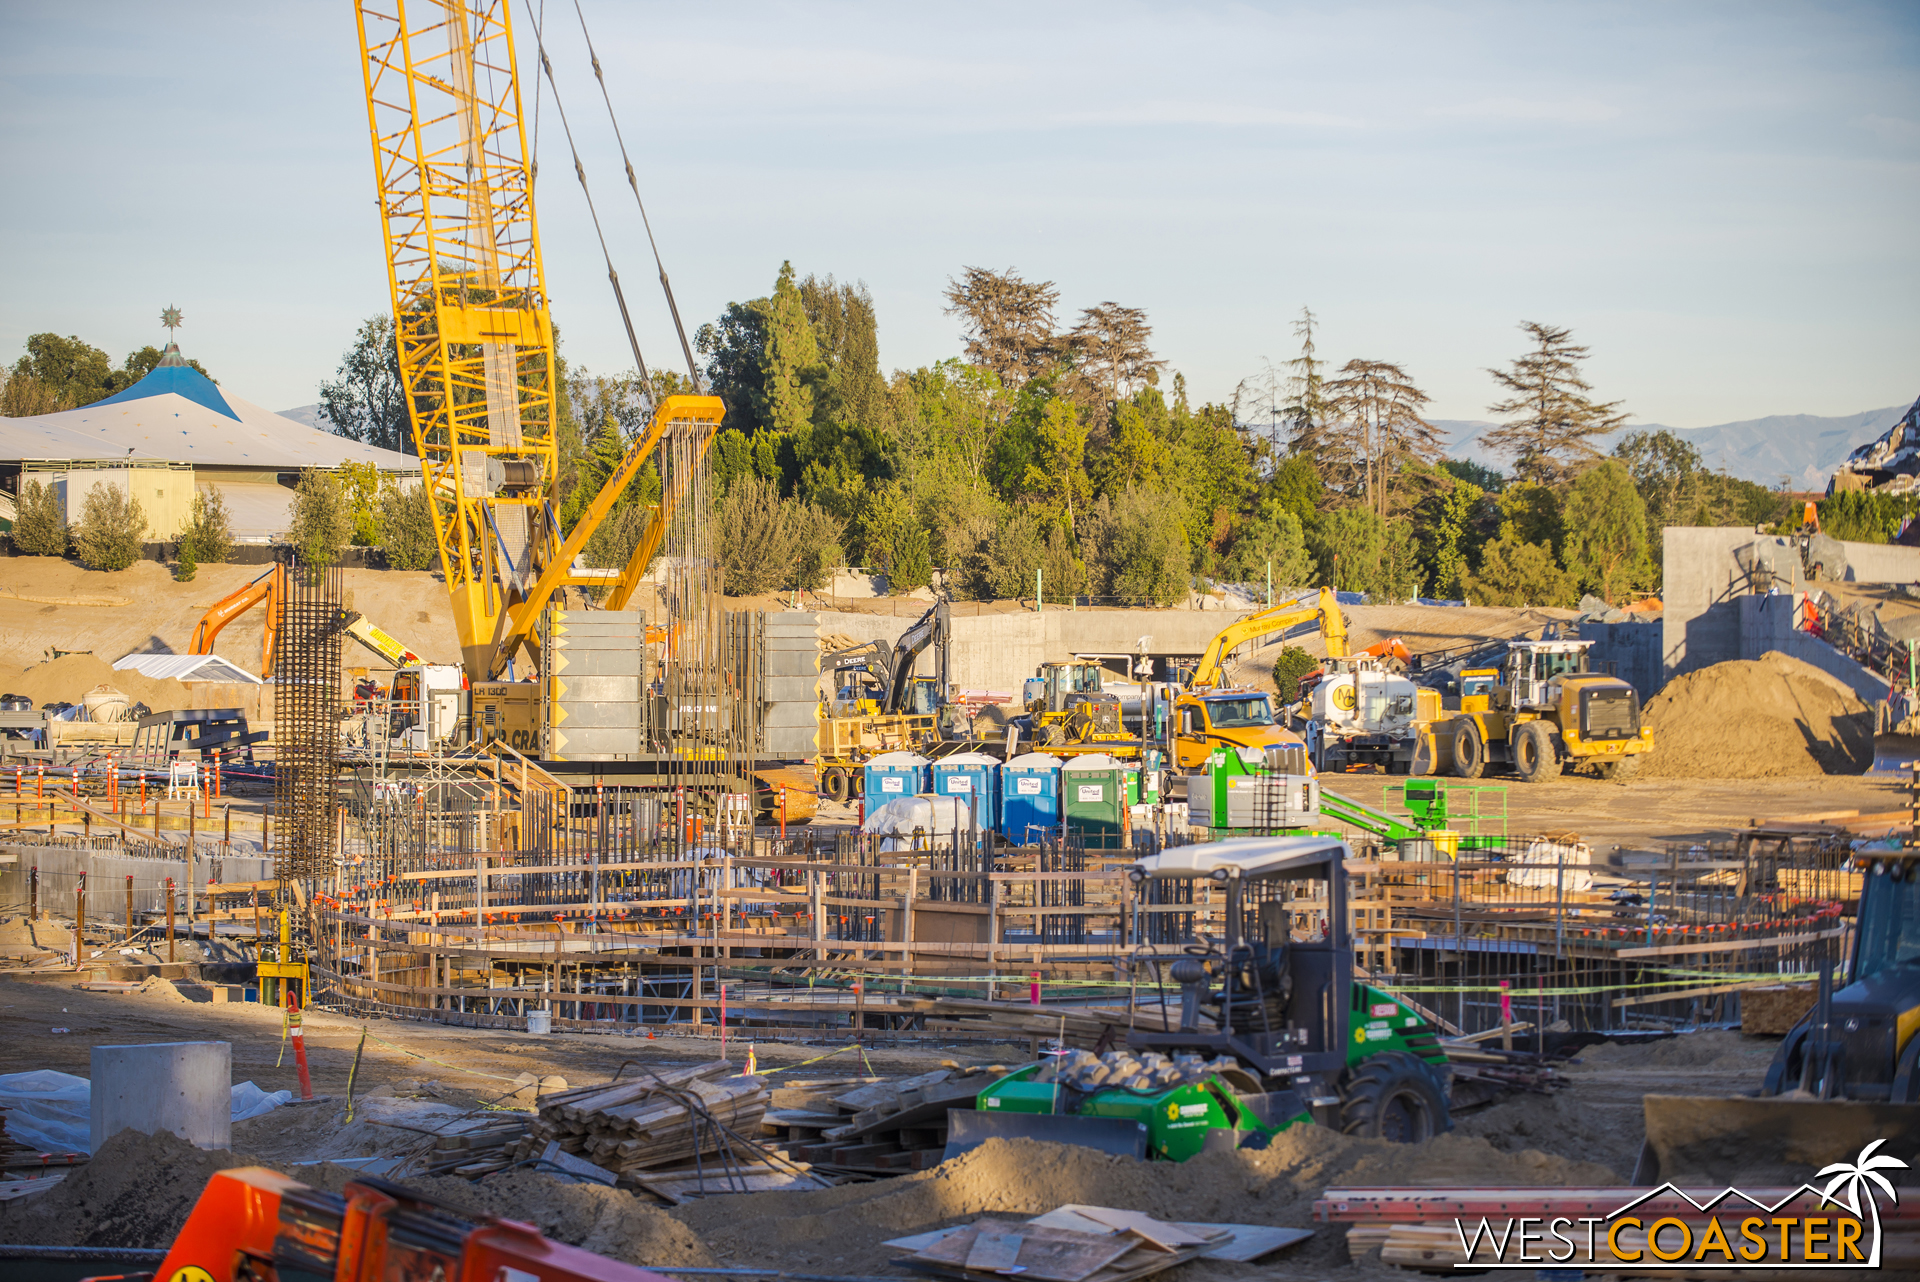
(972, 775)
(895, 774)
(1029, 797)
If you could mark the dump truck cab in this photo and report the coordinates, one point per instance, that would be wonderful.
(1207, 720)
(1544, 709)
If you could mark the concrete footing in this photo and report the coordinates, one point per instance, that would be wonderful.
(183, 1087)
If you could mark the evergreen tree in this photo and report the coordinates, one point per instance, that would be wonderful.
(1306, 407)
(1549, 416)
(911, 564)
(790, 364)
(1140, 547)
(1446, 530)
(1606, 531)
(1374, 429)
(1356, 550)
(1293, 664)
(1008, 322)
(848, 339)
(1514, 573)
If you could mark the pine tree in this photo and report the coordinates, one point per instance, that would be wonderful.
(1606, 541)
(1375, 428)
(791, 364)
(1306, 409)
(1008, 322)
(187, 564)
(1549, 417)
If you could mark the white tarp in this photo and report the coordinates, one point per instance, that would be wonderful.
(932, 816)
(50, 1110)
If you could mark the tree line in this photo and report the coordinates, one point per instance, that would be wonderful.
(1061, 454)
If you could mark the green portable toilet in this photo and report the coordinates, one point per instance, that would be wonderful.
(1093, 800)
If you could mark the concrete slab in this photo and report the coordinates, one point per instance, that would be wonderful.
(183, 1087)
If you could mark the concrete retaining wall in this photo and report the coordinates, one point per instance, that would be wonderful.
(1767, 623)
(1703, 585)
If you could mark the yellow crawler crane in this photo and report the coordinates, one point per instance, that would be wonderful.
(472, 325)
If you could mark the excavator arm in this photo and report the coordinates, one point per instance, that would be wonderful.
(934, 628)
(1211, 671)
(267, 588)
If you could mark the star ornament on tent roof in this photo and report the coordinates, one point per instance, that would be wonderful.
(171, 318)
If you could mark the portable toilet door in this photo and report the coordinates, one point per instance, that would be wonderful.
(1151, 776)
(892, 775)
(1029, 798)
(1093, 799)
(970, 776)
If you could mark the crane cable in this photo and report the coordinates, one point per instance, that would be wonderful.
(692, 369)
(580, 172)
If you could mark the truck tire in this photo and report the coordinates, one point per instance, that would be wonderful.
(1394, 1096)
(1469, 750)
(1534, 758)
(835, 784)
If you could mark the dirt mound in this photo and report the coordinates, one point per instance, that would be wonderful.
(136, 1191)
(1716, 1049)
(1758, 719)
(607, 1221)
(844, 1227)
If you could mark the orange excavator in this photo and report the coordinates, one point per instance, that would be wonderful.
(266, 589)
(253, 1223)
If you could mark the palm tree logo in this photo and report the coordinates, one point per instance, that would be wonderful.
(1860, 1177)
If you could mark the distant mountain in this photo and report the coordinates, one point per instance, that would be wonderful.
(1803, 447)
(308, 414)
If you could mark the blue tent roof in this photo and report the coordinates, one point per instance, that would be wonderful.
(173, 374)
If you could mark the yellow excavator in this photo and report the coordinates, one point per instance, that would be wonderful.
(1209, 714)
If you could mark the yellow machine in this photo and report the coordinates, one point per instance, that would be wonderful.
(1068, 713)
(1208, 715)
(476, 346)
(1539, 712)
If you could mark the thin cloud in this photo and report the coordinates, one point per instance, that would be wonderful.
(1195, 113)
(1566, 111)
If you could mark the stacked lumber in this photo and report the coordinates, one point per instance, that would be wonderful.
(881, 1127)
(655, 1120)
(1086, 1027)
(489, 1147)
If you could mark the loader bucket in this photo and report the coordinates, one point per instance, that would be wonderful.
(1895, 754)
(1779, 1141)
(969, 1128)
(1432, 749)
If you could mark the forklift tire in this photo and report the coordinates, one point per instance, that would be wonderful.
(1469, 750)
(835, 784)
(1393, 1096)
(1533, 756)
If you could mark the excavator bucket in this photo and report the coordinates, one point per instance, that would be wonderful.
(1773, 1141)
(969, 1128)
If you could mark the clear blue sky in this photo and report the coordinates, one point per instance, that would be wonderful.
(1719, 198)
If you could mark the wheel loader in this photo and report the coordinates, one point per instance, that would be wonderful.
(1847, 1074)
(1272, 1029)
(1542, 710)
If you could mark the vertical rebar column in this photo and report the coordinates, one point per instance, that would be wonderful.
(306, 724)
